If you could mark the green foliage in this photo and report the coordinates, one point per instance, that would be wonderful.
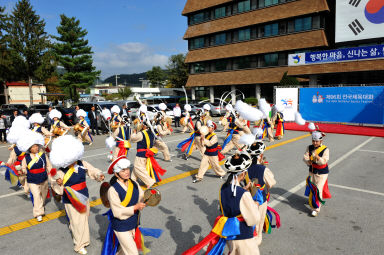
(115, 96)
(178, 70)
(251, 100)
(286, 80)
(125, 92)
(28, 44)
(203, 98)
(73, 53)
(87, 90)
(156, 76)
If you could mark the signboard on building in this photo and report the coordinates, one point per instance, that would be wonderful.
(337, 55)
(289, 98)
(359, 19)
(343, 104)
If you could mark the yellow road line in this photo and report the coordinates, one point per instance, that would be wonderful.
(29, 223)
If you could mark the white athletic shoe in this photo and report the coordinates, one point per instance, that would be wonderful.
(82, 251)
(39, 218)
(314, 213)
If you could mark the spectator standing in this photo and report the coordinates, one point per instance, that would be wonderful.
(15, 114)
(26, 114)
(125, 110)
(3, 128)
(177, 115)
(76, 119)
(49, 120)
(92, 115)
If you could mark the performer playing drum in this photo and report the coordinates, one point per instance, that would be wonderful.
(116, 119)
(122, 137)
(58, 128)
(82, 128)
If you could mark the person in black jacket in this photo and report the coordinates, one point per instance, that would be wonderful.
(93, 117)
(15, 114)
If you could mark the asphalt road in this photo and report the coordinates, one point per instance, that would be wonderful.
(350, 223)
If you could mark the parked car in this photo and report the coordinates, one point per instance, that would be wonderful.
(20, 107)
(215, 108)
(41, 108)
(68, 115)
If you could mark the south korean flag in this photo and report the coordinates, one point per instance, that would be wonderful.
(359, 19)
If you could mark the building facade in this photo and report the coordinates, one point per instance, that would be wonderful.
(18, 93)
(247, 45)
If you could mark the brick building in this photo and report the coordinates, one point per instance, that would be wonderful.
(247, 45)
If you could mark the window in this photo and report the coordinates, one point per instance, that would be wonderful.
(244, 62)
(282, 27)
(244, 34)
(199, 17)
(316, 22)
(271, 29)
(220, 65)
(303, 24)
(244, 6)
(198, 68)
(270, 2)
(220, 12)
(271, 59)
(220, 39)
(197, 43)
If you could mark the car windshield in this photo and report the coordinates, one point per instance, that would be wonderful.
(42, 107)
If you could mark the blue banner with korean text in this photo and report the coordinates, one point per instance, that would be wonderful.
(347, 54)
(343, 104)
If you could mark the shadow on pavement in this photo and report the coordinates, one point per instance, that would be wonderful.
(183, 240)
(211, 210)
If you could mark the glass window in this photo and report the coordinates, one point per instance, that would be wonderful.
(197, 43)
(220, 39)
(244, 34)
(302, 24)
(198, 68)
(244, 6)
(220, 65)
(316, 22)
(282, 27)
(200, 17)
(220, 12)
(271, 29)
(271, 59)
(244, 62)
(270, 2)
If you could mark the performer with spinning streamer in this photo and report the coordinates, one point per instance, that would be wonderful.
(36, 167)
(262, 180)
(146, 167)
(317, 157)
(211, 153)
(70, 181)
(186, 121)
(239, 215)
(122, 136)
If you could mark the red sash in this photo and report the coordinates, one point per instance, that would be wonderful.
(156, 167)
(37, 171)
(79, 186)
(218, 148)
(319, 166)
(122, 149)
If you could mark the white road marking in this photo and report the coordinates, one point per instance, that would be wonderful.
(372, 151)
(12, 194)
(284, 197)
(356, 189)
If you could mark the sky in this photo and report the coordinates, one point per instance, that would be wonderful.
(126, 36)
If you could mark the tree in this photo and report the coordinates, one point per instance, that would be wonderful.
(178, 70)
(73, 53)
(156, 76)
(28, 44)
(287, 80)
(125, 92)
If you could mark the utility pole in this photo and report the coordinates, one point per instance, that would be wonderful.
(116, 79)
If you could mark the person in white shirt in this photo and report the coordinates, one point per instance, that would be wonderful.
(177, 115)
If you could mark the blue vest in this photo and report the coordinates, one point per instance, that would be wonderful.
(37, 130)
(324, 170)
(143, 143)
(231, 208)
(115, 118)
(233, 126)
(120, 135)
(131, 222)
(75, 178)
(257, 171)
(215, 153)
(41, 163)
(197, 132)
(17, 151)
